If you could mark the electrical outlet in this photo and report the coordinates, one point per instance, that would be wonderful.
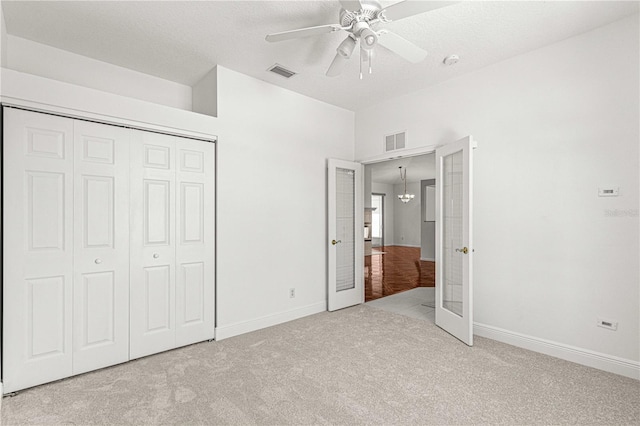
(292, 293)
(608, 324)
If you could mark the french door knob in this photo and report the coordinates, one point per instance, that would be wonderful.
(334, 242)
(156, 255)
(463, 250)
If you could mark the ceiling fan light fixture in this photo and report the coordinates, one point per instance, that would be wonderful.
(346, 47)
(368, 39)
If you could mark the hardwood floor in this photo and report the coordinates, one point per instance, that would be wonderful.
(399, 269)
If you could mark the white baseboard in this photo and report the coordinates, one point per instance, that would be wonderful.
(610, 363)
(428, 259)
(404, 245)
(236, 329)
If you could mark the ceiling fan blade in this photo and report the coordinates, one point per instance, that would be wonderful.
(337, 65)
(303, 32)
(351, 4)
(405, 8)
(401, 47)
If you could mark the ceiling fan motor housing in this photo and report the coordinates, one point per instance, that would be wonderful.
(359, 23)
(370, 10)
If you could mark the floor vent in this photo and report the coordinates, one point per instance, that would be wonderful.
(282, 71)
(395, 141)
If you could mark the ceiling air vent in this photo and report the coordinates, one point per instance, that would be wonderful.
(282, 71)
(395, 141)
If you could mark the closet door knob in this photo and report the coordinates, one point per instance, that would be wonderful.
(156, 255)
(98, 261)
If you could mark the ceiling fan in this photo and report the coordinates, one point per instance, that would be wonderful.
(364, 21)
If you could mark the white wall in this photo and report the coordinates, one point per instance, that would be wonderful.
(46, 61)
(271, 185)
(204, 97)
(3, 60)
(3, 40)
(552, 126)
(407, 219)
(272, 152)
(387, 190)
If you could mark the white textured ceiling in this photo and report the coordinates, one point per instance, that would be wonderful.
(182, 41)
(418, 168)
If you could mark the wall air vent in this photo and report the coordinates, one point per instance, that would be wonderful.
(282, 71)
(395, 141)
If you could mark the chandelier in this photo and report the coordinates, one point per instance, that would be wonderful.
(406, 197)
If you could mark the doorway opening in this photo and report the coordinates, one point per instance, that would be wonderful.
(377, 220)
(400, 271)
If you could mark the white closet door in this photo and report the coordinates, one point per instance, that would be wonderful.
(195, 241)
(101, 246)
(38, 249)
(152, 285)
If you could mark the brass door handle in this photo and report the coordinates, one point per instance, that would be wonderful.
(334, 242)
(463, 250)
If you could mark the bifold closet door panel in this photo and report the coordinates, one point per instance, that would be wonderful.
(152, 283)
(195, 246)
(101, 246)
(38, 248)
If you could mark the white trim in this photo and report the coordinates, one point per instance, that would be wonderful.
(269, 320)
(403, 245)
(392, 155)
(428, 259)
(56, 97)
(610, 363)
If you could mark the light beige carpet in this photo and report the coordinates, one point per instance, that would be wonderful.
(360, 365)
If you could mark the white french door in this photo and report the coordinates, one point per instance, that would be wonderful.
(345, 234)
(454, 239)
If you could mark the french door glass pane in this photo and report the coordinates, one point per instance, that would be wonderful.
(345, 229)
(452, 233)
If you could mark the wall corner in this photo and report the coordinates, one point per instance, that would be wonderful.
(205, 94)
(3, 40)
